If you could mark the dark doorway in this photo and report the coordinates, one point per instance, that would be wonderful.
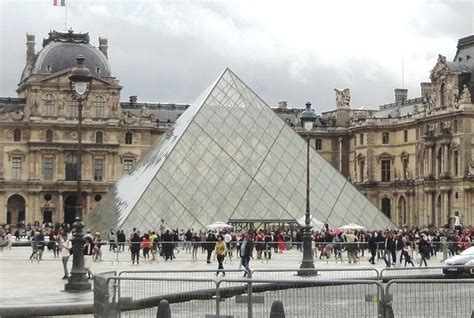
(16, 206)
(386, 207)
(70, 209)
(48, 216)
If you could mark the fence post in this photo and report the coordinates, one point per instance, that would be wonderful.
(164, 310)
(250, 302)
(277, 310)
(218, 298)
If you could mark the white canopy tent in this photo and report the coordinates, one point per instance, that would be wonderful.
(218, 225)
(315, 223)
(352, 226)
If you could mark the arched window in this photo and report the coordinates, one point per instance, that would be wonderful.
(442, 95)
(17, 135)
(71, 166)
(402, 211)
(99, 107)
(128, 138)
(49, 135)
(386, 206)
(99, 137)
(49, 106)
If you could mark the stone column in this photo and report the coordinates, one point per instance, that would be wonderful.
(445, 160)
(429, 207)
(430, 160)
(88, 203)
(340, 155)
(60, 211)
(445, 207)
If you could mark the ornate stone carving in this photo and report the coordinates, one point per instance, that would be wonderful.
(35, 108)
(343, 97)
(16, 115)
(465, 95)
(430, 102)
(66, 37)
(129, 118)
(440, 70)
(144, 111)
(471, 168)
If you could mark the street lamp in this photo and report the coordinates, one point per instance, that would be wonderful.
(307, 118)
(80, 81)
(78, 281)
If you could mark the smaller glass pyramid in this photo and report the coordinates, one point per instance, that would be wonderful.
(229, 157)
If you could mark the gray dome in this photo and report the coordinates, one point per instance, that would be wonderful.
(59, 56)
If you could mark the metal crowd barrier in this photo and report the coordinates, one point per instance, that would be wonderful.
(200, 297)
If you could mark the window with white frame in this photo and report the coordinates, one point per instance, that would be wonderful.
(99, 107)
(73, 108)
(48, 166)
(49, 106)
(16, 167)
(127, 165)
(98, 169)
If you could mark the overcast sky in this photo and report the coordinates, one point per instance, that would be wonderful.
(169, 51)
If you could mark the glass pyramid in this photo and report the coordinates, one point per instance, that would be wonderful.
(229, 157)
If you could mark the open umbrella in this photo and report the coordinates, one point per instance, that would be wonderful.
(218, 225)
(352, 226)
(315, 223)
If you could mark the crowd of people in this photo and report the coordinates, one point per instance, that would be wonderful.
(393, 247)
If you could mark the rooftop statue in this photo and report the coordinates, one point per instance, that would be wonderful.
(343, 97)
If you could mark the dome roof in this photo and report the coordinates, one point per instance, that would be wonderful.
(60, 51)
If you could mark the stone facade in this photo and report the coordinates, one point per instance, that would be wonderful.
(414, 159)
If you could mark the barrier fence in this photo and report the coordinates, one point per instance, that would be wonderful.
(138, 294)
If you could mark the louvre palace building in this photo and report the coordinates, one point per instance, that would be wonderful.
(412, 158)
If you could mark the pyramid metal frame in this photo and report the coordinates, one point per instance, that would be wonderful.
(229, 156)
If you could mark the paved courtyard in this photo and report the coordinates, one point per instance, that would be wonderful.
(38, 283)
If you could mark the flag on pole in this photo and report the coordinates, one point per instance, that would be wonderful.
(59, 3)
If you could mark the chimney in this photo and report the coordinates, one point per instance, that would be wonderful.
(401, 95)
(30, 47)
(103, 46)
(133, 99)
(283, 104)
(426, 88)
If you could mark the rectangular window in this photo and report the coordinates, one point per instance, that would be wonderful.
(319, 144)
(405, 135)
(98, 169)
(361, 139)
(385, 138)
(456, 163)
(16, 168)
(48, 165)
(73, 108)
(385, 170)
(127, 165)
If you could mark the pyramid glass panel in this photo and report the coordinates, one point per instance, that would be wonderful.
(229, 157)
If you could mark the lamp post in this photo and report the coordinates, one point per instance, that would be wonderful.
(307, 118)
(78, 281)
(80, 81)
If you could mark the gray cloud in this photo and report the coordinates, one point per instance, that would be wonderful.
(170, 51)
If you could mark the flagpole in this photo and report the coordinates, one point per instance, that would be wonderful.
(65, 21)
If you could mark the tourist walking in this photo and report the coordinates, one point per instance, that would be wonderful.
(220, 250)
(65, 246)
(135, 244)
(88, 255)
(246, 250)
